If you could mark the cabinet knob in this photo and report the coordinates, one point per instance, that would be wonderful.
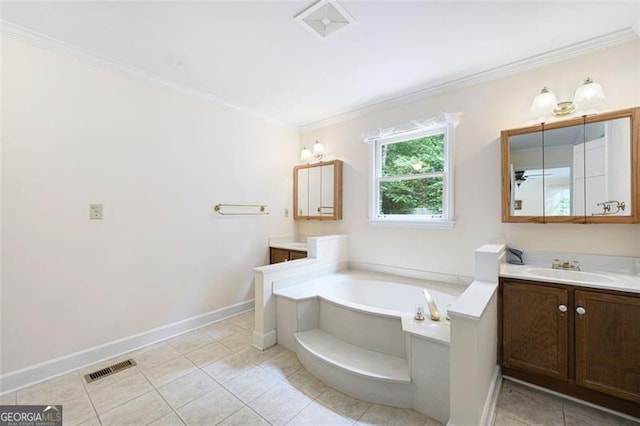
(581, 311)
(562, 308)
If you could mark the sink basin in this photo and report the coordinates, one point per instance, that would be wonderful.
(579, 276)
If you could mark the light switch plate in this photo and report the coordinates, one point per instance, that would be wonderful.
(95, 211)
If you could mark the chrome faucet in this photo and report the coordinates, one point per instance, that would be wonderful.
(566, 265)
(434, 313)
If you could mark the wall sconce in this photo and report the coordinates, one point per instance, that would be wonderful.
(306, 155)
(545, 102)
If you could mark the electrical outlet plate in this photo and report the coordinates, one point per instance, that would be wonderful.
(95, 211)
(286, 212)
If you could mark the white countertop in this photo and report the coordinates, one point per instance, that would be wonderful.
(290, 246)
(611, 280)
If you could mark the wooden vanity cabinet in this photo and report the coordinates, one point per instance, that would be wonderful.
(277, 255)
(578, 341)
(608, 343)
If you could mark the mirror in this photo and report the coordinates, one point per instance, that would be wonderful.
(317, 191)
(583, 170)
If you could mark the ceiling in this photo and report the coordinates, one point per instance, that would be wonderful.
(255, 56)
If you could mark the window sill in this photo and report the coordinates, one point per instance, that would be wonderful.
(413, 224)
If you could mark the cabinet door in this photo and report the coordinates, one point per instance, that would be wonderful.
(535, 329)
(315, 191)
(326, 189)
(608, 343)
(294, 254)
(278, 255)
(301, 192)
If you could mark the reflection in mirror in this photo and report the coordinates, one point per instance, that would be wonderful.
(553, 181)
(318, 191)
(302, 195)
(526, 159)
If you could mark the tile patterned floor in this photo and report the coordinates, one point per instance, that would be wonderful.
(520, 405)
(212, 375)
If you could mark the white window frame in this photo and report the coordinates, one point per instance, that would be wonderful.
(447, 220)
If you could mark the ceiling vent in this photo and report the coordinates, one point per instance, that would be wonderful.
(325, 18)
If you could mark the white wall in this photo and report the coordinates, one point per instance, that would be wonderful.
(75, 133)
(488, 108)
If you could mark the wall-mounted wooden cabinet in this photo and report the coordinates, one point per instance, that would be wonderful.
(579, 341)
(278, 255)
(317, 191)
(580, 170)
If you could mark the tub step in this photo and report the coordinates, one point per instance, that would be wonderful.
(354, 359)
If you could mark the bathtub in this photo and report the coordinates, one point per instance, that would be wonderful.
(356, 331)
(382, 295)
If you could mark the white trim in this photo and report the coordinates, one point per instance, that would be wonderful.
(263, 341)
(46, 42)
(442, 123)
(64, 364)
(402, 223)
(489, 410)
(581, 48)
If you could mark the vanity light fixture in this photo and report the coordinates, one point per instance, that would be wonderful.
(546, 103)
(306, 156)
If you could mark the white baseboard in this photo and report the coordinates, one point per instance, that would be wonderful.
(489, 411)
(263, 341)
(58, 366)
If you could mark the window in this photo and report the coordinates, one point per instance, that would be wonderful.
(411, 177)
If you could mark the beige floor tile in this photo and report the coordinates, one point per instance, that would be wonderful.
(221, 330)
(258, 356)
(210, 408)
(529, 405)
(54, 391)
(190, 341)
(578, 414)
(78, 410)
(251, 384)
(245, 321)
(187, 388)
(282, 365)
(169, 371)
(170, 419)
(208, 354)
(391, 416)
(228, 367)
(107, 397)
(91, 422)
(433, 422)
(345, 404)
(244, 417)
(141, 410)
(9, 398)
(503, 419)
(237, 341)
(306, 383)
(318, 414)
(154, 355)
(280, 404)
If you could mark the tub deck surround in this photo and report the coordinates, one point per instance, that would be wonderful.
(354, 359)
(382, 295)
(355, 330)
(325, 254)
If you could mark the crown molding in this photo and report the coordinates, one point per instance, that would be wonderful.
(46, 42)
(532, 62)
